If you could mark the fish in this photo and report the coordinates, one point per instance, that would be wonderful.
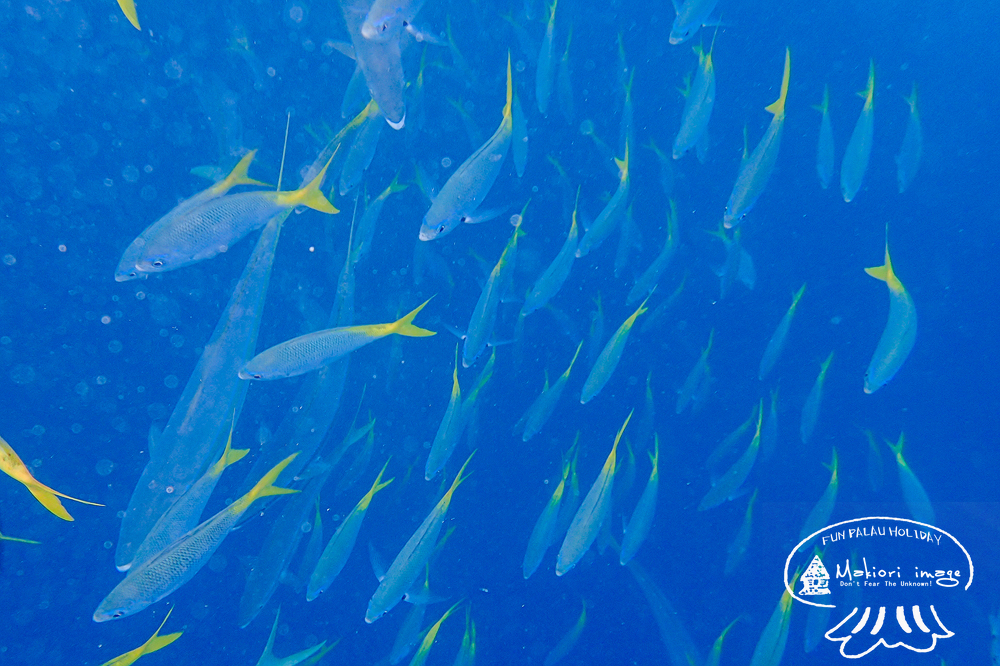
(824, 145)
(593, 511)
(724, 448)
(699, 98)
(544, 533)
(12, 465)
(609, 357)
(315, 350)
(267, 658)
(900, 333)
(810, 410)
(420, 656)
(467, 651)
(769, 433)
(737, 549)
(568, 641)
(716, 654)
(564, 81)
(859, 147)
(612, 213)
(484, 315)
(551, 281)
(366, 226)
(642, 517)
(410, 562)
(686, 393)
(185, 514)
(756, 169)
(466, 188)
(545, 71)
(776, 344)
(127, 269)
(644, 286)
(448, 432)
(819, 516)
(154, 643)
(728, 485)
(876, 468)
(203, 232)
(165, 573)
(380, 62)
(362, 151)
(914, 494)
(680, 647)
(908, 158)
(691, 15)
(338, 549)
(410, 631)
(544, 405)
(771, 644)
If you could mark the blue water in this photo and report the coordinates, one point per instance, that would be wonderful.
(100, 125)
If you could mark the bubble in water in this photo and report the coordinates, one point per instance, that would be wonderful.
(108, 182)
(130, 174)
(306, 527)
(177, 340)
(9, 259)
(107, 545)
(22, 374)
(170, 381)
(101, 380)
(115, 346)
(519, 66)
(76, 428)
(38, 431)
(82, 389)
(173, 69)
(296, 12)
(104, 467)
(446, 162)
(105, 319)
(515, 220)
(587, 127)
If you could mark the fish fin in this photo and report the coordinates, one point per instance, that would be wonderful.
(311, 195)
(869, 90)
(378, 565)
(677, 5)
(824, 106)
(49, 501)
(238, 176)
(911, 101)
(160, 642)
(623, 163)
(404, 325)
(879, 272)
(510, 85)
(265, 487)
(778, 106)
(128, 8)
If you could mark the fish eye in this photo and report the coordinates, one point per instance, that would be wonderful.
(117, 614)
(442, 228)
(385, 26)
(158, 263)
(258, 376)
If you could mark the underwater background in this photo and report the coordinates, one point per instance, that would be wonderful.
(101, 124)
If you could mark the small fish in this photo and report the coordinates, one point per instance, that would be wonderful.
(728, 485)
(611, 215)
(756, 169)
(771, 644)
(609, 357)
(552, 280)
(642, 517)
(367, 224)
(810, 410)
(908, 159)
(321, 348)
(448, 432)
(859, 147)
(415, 554)
(541, 409)
(738, 265)
(568, 641)
(900, 331)
(127, 269)
(592, 513)
(914, 494)
(691, 15)
(465, 190)
(699, 98)
(267, 658)
(687, 392)
(155, 642)
(769, 433)
(716, 654)
(338, 549)
(362, 151)
(484, 315)
(819, 517)
(644, 286)
(544, 533)
(12, 466)
(724, 448)
(420, 657)
(467, 652)
(178, 563)
(737, 549)
(213, 227)
(777, 342)
(824, 145)
(545, 71)
(564, 81)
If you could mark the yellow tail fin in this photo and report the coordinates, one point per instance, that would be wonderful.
(510, 85)
(128, 8)
(310, 195)
(778, 107)
(404, 326)
(265, 487)
(49, 501)
(229, 456)
(160, 642)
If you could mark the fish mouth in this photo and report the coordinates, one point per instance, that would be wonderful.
(427, 234)
(397, 125)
